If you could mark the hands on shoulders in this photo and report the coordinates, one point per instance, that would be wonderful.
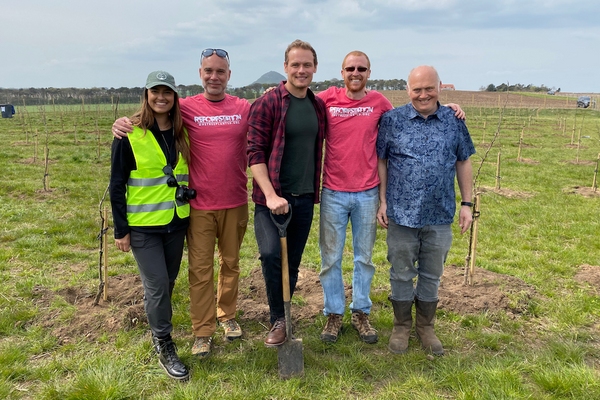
(122, 127)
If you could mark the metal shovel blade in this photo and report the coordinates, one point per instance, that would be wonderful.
(290, 354)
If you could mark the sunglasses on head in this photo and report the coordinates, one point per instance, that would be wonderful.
(351, 69)
(220, 52)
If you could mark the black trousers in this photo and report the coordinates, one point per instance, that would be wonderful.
(269, 246)
(158, 256)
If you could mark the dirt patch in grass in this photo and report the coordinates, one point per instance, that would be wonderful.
(583, 191)
(491, 292)
(123, 309)
(524, 161)
(525, 145)
(509, 193)
(574, 146)
(38, 160)
(589, 275)
(579, 162)
(307, 301)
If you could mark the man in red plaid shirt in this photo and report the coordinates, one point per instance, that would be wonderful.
(285, 142)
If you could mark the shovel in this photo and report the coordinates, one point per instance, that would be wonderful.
(289, 354)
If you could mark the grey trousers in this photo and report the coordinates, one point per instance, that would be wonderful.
(417, 252)
(158, 257)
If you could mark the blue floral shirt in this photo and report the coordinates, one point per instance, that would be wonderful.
(422, 155)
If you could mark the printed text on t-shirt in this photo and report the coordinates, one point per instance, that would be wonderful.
(219, 120)
(350, 112)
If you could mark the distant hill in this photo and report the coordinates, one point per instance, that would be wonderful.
(270, 77)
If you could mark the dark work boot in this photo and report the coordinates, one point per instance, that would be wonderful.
(168, 359)
(424, 324)
(402, 326)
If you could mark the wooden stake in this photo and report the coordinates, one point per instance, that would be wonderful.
(474, 242)
(98, 137)
(35, 146)
(498, 172)
(75, 132)
(578, 145)
(595, 182)
(520, 145)
(484, 124)
(105, 252)
(46, 174)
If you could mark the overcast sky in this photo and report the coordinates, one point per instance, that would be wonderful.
(75, 43)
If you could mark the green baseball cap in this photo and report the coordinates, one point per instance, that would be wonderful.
(158, 78)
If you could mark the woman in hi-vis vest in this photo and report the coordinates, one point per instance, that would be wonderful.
(149, 196)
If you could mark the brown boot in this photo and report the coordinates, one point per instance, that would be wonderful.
(424, 323)
(402, 326)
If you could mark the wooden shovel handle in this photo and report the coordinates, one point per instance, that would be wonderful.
(285, 272)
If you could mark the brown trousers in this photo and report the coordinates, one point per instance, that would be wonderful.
(226, 228)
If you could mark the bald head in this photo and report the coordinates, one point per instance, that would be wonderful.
(424, 89)
(424, 70)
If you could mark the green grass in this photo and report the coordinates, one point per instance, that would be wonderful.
(48, 241)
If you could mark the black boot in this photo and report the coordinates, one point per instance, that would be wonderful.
(402, 326)
(168, 359)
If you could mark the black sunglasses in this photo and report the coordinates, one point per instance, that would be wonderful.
(351, 69)
(220, 52)
(171, 181)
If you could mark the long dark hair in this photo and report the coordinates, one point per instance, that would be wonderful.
(144, 119)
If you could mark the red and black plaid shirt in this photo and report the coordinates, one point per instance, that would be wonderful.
(266, 137)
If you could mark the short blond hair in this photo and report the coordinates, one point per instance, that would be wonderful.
(299, 44)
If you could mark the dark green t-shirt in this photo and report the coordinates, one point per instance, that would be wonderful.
(298, 162)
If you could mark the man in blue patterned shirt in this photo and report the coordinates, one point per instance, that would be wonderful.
(421, 147)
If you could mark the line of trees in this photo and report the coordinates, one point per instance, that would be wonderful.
(58, 96)
(503, 87)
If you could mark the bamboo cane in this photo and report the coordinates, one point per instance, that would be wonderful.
(484, 124)
(578, 145)
(595, 182)
(35, 146)
(498, 172)
(98, 137)
(105, 252)
(474, 242)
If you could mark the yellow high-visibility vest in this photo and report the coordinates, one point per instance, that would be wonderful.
(150, 201)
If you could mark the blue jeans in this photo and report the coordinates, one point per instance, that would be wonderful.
(269, 247)
(337, 208)
(427, 247)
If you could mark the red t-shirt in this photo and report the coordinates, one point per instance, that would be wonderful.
(218, 139)
(350, 156)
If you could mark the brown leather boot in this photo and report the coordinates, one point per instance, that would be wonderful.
(402, 326)
(424, 324)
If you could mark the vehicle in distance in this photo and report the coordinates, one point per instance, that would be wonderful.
(583, 102)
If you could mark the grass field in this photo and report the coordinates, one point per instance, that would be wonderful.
(545, 233)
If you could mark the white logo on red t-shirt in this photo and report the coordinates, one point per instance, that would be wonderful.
(350, 112)
(219, 120)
